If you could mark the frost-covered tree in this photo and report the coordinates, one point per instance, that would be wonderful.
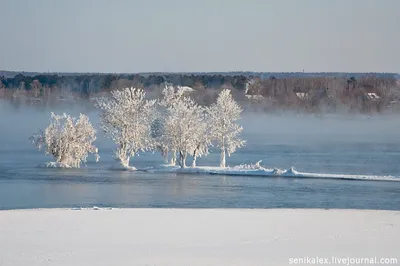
(203, 139)
(171, 95)
(158, 134)
(174, 103)
(182, 127)
(126, 118)
(225, 131)
(69, 140)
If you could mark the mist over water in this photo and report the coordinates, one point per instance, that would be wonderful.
(352, 144)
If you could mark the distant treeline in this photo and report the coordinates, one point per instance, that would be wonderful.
(94, 83)
(312, 92)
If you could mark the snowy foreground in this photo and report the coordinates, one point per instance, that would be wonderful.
(252, 170)
(193, 236)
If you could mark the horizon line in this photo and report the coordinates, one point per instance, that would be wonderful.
(201, 72)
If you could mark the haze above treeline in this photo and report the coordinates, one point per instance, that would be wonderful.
(11, 74)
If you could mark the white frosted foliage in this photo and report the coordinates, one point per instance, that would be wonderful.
(126, 118)
(158, 135)
(171, 95)
(203, 139)
(69, 140)
(182, 126)
(225, 131)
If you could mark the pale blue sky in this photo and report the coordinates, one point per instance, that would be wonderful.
(200, 35)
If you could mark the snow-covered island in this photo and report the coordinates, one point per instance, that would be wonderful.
(196, 237)
(175, 124)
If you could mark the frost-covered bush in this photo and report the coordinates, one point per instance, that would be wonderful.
(126, 118)
(224, 130)
(69, 140)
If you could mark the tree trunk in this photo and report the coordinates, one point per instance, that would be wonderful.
(164, 154)
(124, 161)
(222, 159)
(194, 158)
(194, 161)
(182, 159)
(122, 157)
(173, 159)
(66, 162)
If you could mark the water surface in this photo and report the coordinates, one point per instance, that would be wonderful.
(361, 145)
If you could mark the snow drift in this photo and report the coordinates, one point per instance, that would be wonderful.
(260, 171)
(120, 167)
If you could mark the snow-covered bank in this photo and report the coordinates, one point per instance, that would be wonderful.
(54, 165)
(193, 237)
(240, 170)
(252, 170)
